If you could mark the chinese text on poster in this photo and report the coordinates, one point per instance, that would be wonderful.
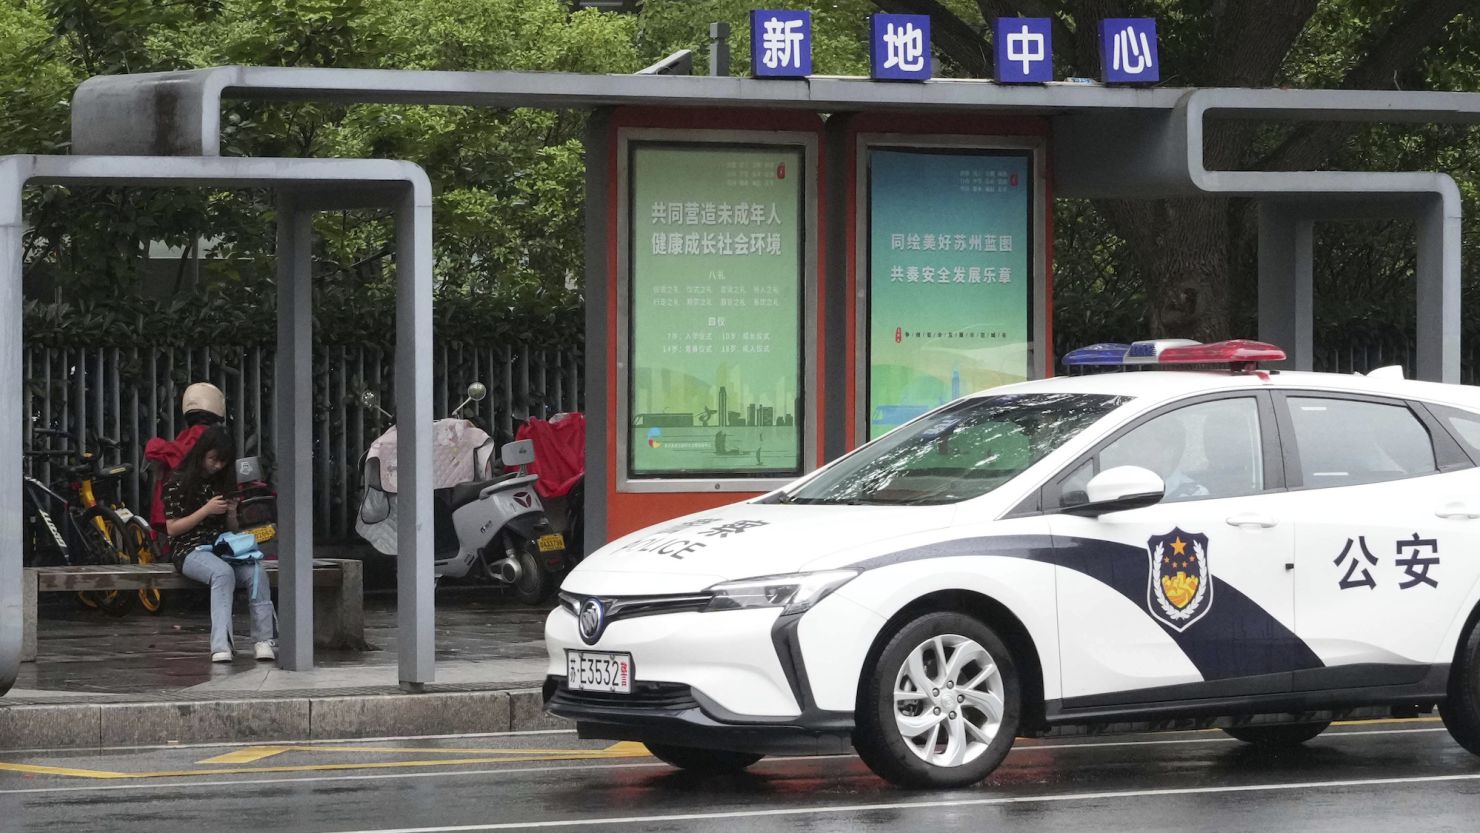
(950, 258)
(716, 279)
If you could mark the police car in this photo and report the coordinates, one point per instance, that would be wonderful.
(1260, 550)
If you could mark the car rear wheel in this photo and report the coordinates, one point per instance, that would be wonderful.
(704, 761)
(942, 704)
(1277, 736)
(1461, 710)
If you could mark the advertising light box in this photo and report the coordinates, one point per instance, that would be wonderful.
(950, 247)
(715, 364)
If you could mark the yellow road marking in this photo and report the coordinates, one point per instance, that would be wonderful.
(248, 756)
(32, 769)
(617, 750)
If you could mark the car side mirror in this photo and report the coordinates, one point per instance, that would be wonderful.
(518, 453)
(1119, 489)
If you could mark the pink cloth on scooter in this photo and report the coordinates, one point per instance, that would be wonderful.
(459, 454)
(559, 452)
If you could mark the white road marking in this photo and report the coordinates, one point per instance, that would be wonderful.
(388, 776)
(924, 805)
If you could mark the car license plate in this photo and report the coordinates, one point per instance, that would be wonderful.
(589, 671)
(552, 542)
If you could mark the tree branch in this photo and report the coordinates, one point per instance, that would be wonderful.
(1414, 28)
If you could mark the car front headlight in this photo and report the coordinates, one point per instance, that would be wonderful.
(796, 592)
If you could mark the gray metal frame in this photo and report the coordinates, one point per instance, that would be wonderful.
(304, 186)
(1038, 298)
(808, 143)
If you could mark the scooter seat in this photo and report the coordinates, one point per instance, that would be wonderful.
(465, 493)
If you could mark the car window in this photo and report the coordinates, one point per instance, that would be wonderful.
(1208, 450)
(1344, 442)
(1465, 425)
(959, 452)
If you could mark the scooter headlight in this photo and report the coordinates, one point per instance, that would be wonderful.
(796, 592)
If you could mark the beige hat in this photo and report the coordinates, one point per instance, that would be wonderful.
(204, 396)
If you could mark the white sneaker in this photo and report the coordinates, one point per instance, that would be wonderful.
(221, 656)
(264, 651)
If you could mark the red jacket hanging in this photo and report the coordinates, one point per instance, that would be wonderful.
(559, 452)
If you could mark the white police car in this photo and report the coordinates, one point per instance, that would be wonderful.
(1285, 547)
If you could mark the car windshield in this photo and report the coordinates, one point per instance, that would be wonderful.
(960, 452)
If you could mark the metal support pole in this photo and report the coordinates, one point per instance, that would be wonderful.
(294, 431)
(1286, 283)
(1439, 290)
(600, 284)
(12, 414)
(415, 602)
(832, 295)
(719, 49)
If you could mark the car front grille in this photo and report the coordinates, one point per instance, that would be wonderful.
(631, 607)
(646, 696)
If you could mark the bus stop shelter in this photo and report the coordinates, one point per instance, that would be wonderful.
(303, 186)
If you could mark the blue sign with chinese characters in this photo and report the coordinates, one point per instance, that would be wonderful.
(780, 43)
(1024, 50)
(899, 47)
(1128, 51)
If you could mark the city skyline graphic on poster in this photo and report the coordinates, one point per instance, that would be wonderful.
(949, 270)
(716, 311)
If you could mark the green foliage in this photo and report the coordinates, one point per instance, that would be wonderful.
(508, 185)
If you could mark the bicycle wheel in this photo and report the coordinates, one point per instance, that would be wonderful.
(146, 551)
(113, 547)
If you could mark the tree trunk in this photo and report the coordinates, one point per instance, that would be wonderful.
(1182, 246)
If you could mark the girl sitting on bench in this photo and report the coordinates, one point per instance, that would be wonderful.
(197, 512)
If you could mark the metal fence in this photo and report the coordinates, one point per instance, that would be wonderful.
(133, 395)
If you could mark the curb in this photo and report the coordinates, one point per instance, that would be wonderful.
(94, 725)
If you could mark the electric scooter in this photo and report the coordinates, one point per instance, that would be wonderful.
(486, 525)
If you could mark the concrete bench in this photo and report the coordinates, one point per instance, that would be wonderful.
(338, 597)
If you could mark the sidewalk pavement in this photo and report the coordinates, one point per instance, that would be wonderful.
(144, 680)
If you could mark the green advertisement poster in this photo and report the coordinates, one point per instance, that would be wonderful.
(949, 274)
(716, 307)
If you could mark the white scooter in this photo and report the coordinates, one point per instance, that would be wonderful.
(485, 525)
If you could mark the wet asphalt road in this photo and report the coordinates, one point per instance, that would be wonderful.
(1387, 776)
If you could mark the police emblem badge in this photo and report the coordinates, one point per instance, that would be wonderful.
(1180, 588)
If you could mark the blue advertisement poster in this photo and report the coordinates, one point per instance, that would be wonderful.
(950, 267)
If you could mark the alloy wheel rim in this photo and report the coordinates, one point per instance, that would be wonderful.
(948, 700)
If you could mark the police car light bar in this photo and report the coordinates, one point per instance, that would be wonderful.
(1105, 353)
(1238, 352)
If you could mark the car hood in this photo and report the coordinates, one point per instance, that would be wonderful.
(746, 540)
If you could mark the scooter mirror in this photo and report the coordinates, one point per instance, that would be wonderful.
(477, 391)
(518, 453)
(370, 400)
(248, 470)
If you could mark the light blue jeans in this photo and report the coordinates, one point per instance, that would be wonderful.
(203, 566)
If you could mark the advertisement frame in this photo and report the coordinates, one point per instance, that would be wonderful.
(1038, 306)
(807, 143)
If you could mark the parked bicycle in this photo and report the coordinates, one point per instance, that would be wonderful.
(110, 533)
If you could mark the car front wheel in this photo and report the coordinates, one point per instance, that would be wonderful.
(1461, 710)
(941, 706)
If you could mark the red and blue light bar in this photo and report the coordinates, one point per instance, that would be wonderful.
(1238, 352)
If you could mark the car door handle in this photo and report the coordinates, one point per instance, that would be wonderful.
(1458, 510)
(1248, 520)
